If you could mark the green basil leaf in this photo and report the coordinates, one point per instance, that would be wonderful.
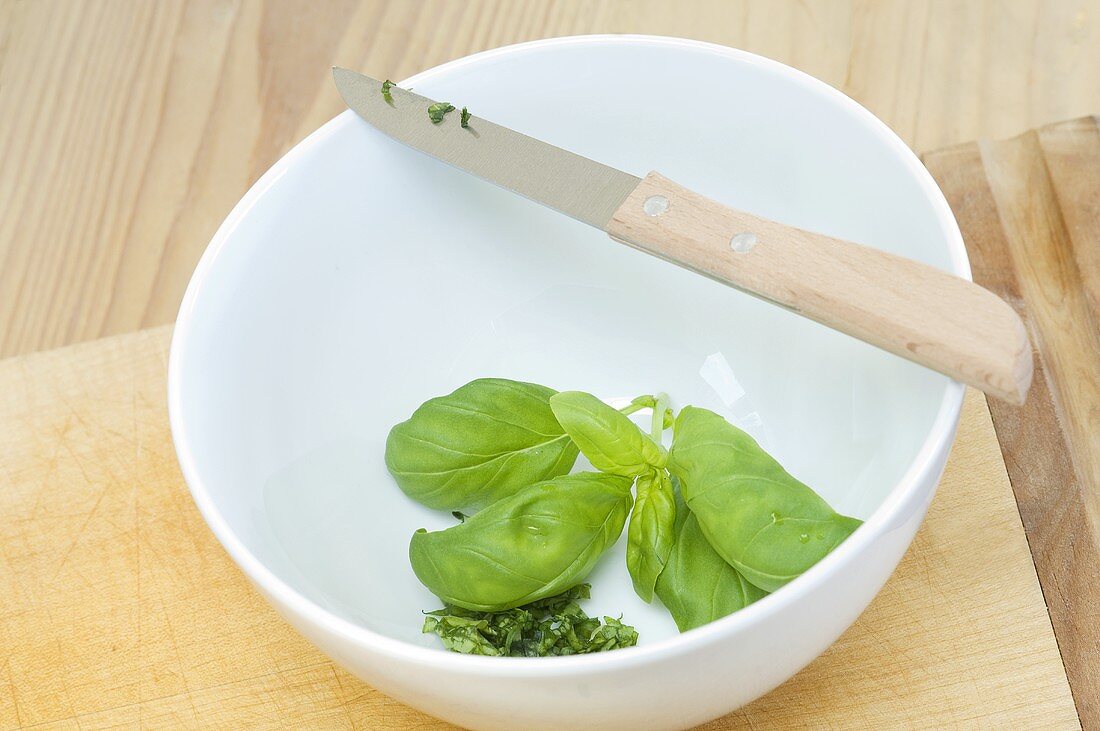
(610, 440)
(764, 522)
(534, 544)
(651, 532)
(481, 443)
(697, 586)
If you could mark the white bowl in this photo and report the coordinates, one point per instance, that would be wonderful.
(358, 278)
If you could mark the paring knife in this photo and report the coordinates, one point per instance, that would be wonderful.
(908, 308)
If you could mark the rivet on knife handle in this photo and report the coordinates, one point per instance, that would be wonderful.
(908, 308)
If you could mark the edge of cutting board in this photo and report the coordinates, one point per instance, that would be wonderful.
(120, 607)
(1029, 210)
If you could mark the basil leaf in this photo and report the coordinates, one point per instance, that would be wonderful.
(534, 544)
(610, 441)
(697, 586)
(547, 627)
(650, 534)
(481, 443)
(464, 118)
(764, 522)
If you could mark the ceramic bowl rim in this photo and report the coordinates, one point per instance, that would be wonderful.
(919, 472)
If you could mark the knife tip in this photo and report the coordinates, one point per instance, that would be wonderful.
(341, 76)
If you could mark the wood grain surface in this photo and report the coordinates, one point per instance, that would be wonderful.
(129, 128)
(903, 306)
(119, 609)
(1029, 208)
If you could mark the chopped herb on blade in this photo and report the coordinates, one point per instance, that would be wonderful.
(553, 626)
(464, 119)
(386, 86)
(437, 110)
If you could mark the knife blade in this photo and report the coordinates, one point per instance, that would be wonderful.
(578, 187)
(905, 307)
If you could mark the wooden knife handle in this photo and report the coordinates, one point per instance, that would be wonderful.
(903, 306)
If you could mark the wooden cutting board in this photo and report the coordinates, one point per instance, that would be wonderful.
(119, 609)
(1029, 209)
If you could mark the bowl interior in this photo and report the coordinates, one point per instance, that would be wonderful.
(362, 278)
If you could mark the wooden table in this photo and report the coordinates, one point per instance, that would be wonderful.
(129, 129)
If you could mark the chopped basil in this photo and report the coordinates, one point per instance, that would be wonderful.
(465, 119)
(386, 86)
(552, 626)
(437, 110)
